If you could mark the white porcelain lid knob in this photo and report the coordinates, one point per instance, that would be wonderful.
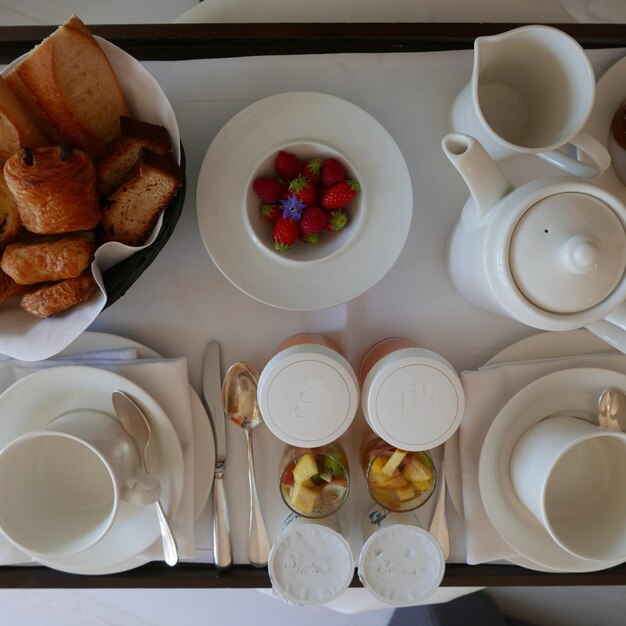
(581, 254)
(568, 252)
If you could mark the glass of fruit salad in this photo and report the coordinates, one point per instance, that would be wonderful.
(398, 480)
(314, 482)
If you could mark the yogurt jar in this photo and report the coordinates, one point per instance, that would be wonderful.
(310, 563)
(308, 392)
(411, 397)
(400, 563)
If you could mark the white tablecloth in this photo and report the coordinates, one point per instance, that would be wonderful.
(182, 301)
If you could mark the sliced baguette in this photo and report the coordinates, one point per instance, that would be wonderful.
(17, 128)
(68, 83)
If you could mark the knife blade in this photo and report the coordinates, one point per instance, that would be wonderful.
(212, 392)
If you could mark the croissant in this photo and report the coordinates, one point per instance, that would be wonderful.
(54, 189)
(52, 299)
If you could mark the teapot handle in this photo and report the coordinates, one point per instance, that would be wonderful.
(612, 328)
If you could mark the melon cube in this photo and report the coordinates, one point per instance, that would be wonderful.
(415, 471)
(304, 499)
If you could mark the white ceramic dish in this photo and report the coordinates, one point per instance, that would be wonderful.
(203, 441)
(23, 336)
(574, 389)
(262, 129)
(610, 93)
(35, 400)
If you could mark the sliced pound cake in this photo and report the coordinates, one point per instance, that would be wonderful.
(133, 209)
(123, 151)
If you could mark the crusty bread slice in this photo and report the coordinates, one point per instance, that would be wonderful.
(69, 79)
(17, 128)
(122, 153)
(134, 208)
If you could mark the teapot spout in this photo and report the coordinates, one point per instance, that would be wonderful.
(486, 183)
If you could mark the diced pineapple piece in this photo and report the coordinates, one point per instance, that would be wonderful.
(415, 471)
(395, 482)
(405, 493)
(394, 461)
(305, 468)
(421, 485)
(304, 499)
(376, 471)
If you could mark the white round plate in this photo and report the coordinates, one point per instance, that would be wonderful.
(35, 400)
(203, 441)
(610, 93)
(262, 129)
(574, 389)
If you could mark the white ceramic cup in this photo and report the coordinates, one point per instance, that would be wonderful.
(570, 475)
(531, 92)
(61, 487)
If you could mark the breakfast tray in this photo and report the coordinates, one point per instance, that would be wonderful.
(198, 41)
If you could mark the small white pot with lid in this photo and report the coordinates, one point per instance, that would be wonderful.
(308, 392)
(551, 253)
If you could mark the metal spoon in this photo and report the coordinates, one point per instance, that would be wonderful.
(136, 424)
(239, 397)
(612, 409)
(439, 524)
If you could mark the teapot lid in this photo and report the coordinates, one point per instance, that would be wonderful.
(568, 252)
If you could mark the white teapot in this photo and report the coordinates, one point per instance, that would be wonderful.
(550, 254)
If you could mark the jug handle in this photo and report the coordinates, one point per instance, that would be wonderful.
(587, 145)
(612, 329)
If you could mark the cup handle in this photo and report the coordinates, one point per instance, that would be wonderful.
(612, 328)
(142, 488)
(588, 145)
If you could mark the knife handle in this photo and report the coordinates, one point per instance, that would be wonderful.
(222, 549)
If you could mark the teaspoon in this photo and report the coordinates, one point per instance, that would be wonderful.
(239, 397)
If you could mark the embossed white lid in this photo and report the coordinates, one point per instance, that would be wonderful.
(308, 395)
(413, 399)
(310, 564)
(401, 565)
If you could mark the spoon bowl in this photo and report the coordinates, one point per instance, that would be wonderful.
(239, 397)
(612, 409)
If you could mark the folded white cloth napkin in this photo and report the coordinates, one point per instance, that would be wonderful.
(167, 381)
(487, 391)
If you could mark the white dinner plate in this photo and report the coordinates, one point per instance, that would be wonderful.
(256, 133)
(610, 93)
(203, 441)
(35, 400)
(574, 389)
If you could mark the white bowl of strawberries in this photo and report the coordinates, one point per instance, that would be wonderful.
(305, 202)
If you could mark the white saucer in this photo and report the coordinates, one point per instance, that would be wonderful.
(203, 441)
(35, 400)
(610, 93)
(254, 134)
(574, 389)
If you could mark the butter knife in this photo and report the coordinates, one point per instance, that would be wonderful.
(212, 391)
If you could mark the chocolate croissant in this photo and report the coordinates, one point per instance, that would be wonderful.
(54, 189)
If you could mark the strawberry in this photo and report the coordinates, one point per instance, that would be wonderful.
(312, 169)
(284, 234)
(332, 172)
(313, 222)
(336, 220)
(304, 190)
(287, 165)
(340, 194)
(271, 212)
(268, 189)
